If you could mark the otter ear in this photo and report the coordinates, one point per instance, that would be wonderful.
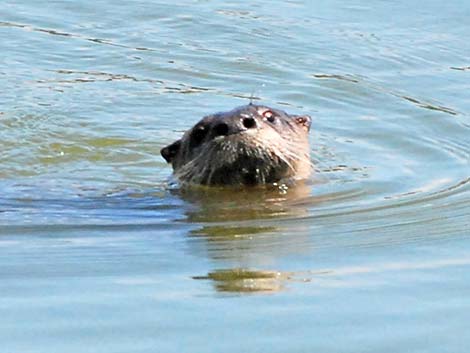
(169, 152)
(303, 120)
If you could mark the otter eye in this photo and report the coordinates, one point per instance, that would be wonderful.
(197, 136)
(269, 116)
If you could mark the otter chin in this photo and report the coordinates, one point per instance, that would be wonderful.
(249, 145)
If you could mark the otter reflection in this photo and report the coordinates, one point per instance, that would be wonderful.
(245, 231)
(246, 281)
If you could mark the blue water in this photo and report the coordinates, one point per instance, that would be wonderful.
(99, 254)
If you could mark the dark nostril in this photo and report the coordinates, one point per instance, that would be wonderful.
(249, 123)
(221, 129)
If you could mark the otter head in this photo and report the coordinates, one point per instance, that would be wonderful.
(249, 145)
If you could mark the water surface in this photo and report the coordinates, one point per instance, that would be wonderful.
(98, 254)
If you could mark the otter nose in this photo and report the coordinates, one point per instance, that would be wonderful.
(233, 125)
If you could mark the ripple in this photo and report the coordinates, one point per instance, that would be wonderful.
(373, 86)
(461, 68)
(71, 35)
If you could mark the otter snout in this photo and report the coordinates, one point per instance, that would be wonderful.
(220, 125)
(229, 125)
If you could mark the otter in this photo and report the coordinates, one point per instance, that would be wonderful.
(249, 145)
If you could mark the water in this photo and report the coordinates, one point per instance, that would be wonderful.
(99, 255)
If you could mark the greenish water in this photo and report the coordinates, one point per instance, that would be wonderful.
(98, 254)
